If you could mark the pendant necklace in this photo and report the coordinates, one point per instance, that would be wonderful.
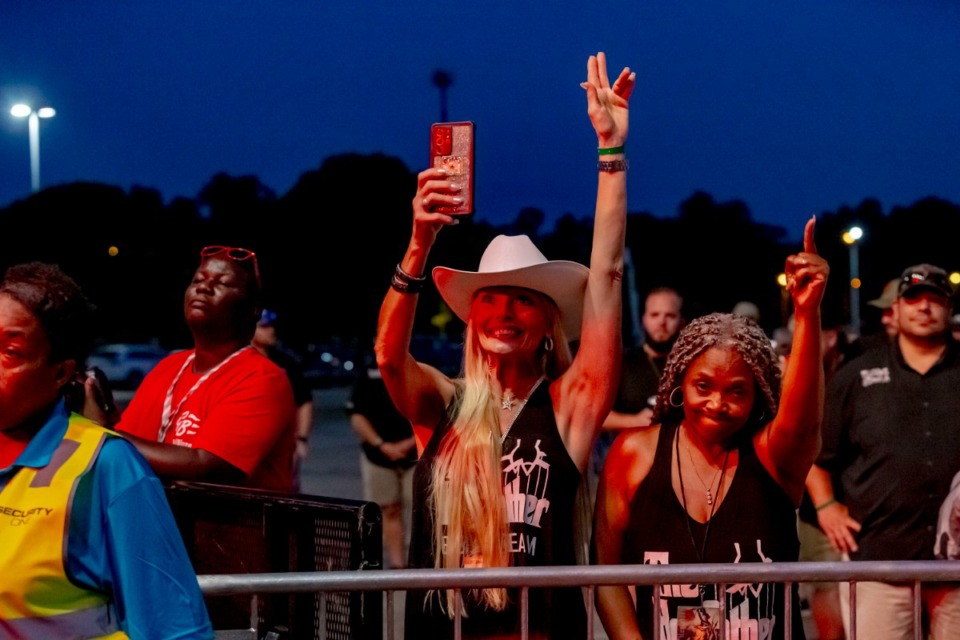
(509, 400)
(708, 488)
(706, 614)
(702, 550)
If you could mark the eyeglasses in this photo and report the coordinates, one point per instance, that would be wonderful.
(237, 254)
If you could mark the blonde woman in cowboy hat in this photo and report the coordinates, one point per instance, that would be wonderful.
(503, 448)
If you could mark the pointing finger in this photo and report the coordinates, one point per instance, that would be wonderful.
(809, 246)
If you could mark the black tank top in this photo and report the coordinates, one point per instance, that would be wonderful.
(756, 522)
(540, 485)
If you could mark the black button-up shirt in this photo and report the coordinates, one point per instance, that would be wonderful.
(891, 439)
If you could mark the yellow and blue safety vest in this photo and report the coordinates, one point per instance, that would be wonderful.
(37, 597)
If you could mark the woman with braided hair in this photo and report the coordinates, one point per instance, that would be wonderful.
(720, 474)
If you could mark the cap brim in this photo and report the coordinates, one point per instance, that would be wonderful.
(563, 281)
(928, 287)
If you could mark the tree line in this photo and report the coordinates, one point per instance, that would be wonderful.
(328, 247)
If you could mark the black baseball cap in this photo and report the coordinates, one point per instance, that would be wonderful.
(925, 276)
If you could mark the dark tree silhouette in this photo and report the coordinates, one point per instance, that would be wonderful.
(328, 247)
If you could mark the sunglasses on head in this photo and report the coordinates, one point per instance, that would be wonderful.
(237, 254)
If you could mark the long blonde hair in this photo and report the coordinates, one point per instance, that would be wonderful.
(469, 511)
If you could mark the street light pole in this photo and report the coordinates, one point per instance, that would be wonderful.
(851, 236)
(442, 81)
(33, 123)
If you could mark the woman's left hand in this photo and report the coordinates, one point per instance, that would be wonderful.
(607, 105)
(807, 273)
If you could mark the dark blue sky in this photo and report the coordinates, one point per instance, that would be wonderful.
(792, 107)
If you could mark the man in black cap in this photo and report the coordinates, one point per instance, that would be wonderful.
(266, 341)
(891, 444)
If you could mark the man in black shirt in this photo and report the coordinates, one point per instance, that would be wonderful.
(389, 455)
(641, 368)
(891, 443)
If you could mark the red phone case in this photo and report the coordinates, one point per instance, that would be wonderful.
(451, 147)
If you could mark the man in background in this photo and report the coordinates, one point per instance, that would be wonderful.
(890, 450)
(389, 453)
(887, 319)
(640, 371)
(267, 342)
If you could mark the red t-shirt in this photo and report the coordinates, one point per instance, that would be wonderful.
(242, 413)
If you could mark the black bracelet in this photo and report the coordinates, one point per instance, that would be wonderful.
(406, 276)
(403, 282)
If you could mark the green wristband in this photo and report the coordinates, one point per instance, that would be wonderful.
(610, 151)
(827, 504)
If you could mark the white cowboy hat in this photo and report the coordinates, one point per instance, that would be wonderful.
(514, 261)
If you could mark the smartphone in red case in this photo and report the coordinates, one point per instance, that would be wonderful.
(451, 147)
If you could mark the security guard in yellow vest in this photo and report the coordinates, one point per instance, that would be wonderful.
(88, 545)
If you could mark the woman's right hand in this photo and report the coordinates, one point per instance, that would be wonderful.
(434, 188)
(607, 105)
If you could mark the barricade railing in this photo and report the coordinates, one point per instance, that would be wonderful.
(589, 577)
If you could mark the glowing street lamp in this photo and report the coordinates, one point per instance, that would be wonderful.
(33, 119)
(851, 236)
(784, 298)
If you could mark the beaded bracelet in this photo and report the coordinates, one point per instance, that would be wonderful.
(609, 151)
(403, 282)
(613, 166)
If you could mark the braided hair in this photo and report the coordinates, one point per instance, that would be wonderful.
(721, 330)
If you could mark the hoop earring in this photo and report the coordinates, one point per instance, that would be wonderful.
(762, 416)
(670, 398)
(548, 344)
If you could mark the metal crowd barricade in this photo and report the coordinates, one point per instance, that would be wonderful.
(589, 577)
(246, 533)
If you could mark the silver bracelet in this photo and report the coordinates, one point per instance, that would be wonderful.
(406, 276)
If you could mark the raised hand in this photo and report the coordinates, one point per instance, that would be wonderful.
(807, 273)
(434, 188)
(607, 105)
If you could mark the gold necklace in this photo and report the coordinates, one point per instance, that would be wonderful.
(708, 488)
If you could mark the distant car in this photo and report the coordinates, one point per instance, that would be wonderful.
(329, 364)
(125, 365)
